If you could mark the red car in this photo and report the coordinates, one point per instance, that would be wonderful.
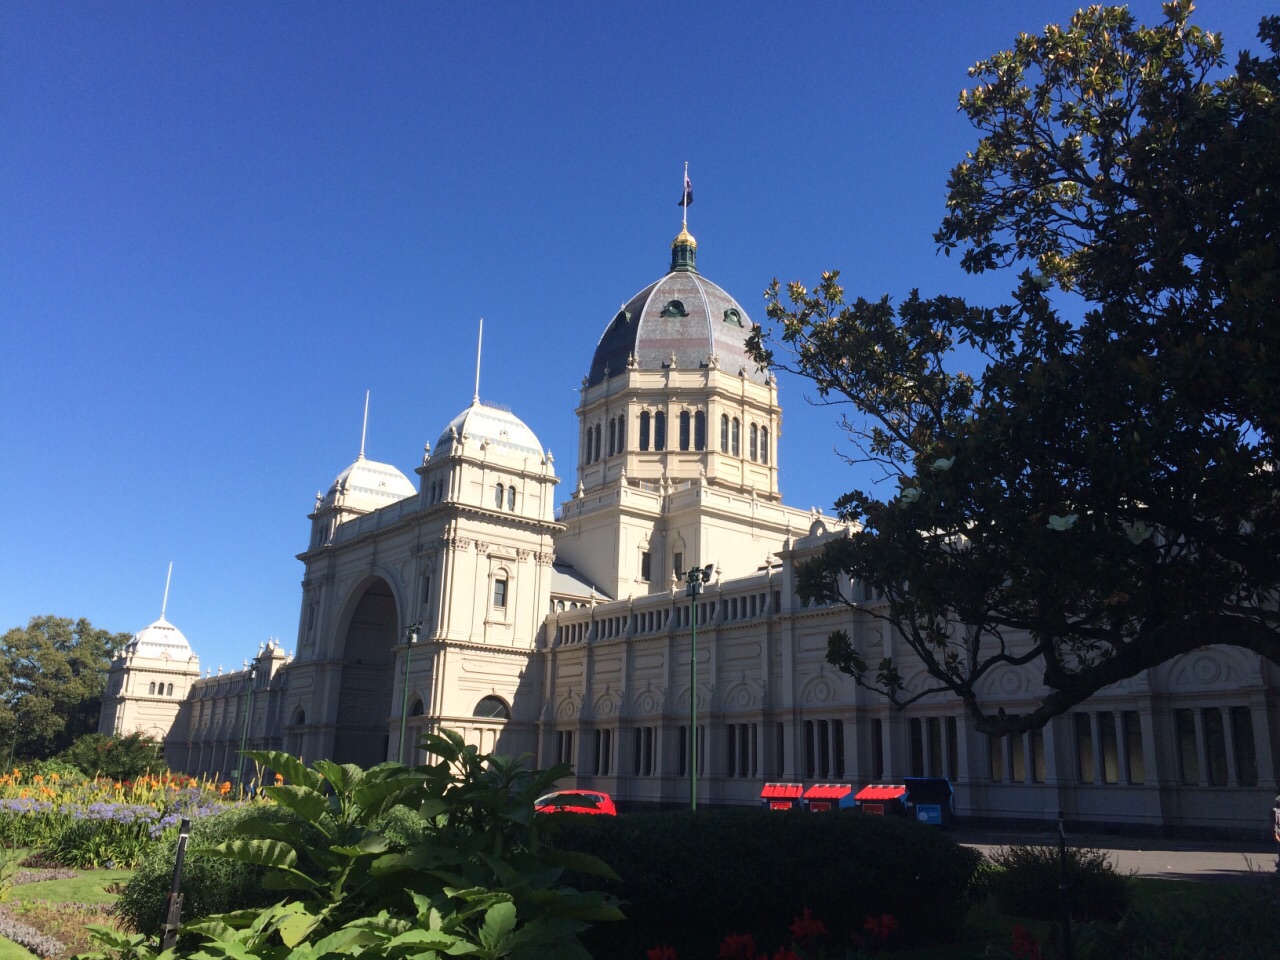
(576, 801)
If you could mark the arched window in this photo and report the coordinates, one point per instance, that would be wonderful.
(699, 431)
(755, 442)
(492, 708)
(151, 690)
(724, 433)
(684, 429)
(598, 434)
(418, 708)
(613, 436)
(622, 433)
(659, 431)
(735, 431)
(764, 444)
(587, 448)
(499, 495)
(511, 497)
(170, 691)
(644, 430)
(300, 717)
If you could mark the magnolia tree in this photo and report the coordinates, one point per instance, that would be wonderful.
(1103, 495)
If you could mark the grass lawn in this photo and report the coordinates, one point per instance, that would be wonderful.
(62, 908)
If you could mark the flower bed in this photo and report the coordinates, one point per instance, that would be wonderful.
(99, 822)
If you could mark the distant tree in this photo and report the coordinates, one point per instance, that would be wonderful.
(52, 676)
(1103, 495)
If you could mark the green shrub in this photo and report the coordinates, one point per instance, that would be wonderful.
(439, 860)
(117, 758)
(690, 879)
(1026, 883)
(209, 884)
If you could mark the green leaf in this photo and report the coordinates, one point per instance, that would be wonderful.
(288, 766)
(266, 853)
(307, 803)
(499, 920)
(376, 796)
(582, 862)
(297, 927)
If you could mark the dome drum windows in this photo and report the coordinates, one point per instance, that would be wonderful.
(504, 497)
(644, 430)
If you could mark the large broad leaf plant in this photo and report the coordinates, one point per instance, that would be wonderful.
(480, 882)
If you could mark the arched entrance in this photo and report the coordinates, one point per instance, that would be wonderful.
(368, 668)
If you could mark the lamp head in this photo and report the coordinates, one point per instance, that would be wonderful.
(707, 571)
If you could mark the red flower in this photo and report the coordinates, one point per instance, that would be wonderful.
(661, 953)
(737, 946)
(1025, 945)
(807, 926)
(882, 925)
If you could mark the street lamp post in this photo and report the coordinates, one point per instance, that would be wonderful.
(244, 728)
(695, 579)
(411, 637)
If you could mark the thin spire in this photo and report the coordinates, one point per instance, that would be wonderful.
(686, 197)
(164, 604)
(364, 428)
(475, 398)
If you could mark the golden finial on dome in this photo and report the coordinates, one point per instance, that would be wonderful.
(685, 237)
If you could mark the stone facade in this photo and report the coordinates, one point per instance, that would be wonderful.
(469, 601)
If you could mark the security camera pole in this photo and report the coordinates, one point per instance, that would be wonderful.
(695, 579)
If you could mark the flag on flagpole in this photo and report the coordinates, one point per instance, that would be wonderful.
(688, 192)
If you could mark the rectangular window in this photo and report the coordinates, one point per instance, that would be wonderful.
(646, 566)
(1135, 767)
(1017, 758)
(1110, 748)
(603, 752)
(995, 752)
(1188, 760)
(953, 749)
(877, 749)
(499, 593)
(731, 750)
(780, 746)
(1086, 765)
(810, 749)
(677, 565)
(914, 727)
(643, 758)
(1035, 743)
(837, 748)
(934, 726)
(824, 749)
(777, 601)
(1242, 745)
(682, 753)
(564, 747)
(1215, 746)
(684, 430)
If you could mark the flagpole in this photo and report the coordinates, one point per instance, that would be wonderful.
(684, 219)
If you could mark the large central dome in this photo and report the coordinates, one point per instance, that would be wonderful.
(682, 318)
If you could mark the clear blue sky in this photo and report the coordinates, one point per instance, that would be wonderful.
(221, 223)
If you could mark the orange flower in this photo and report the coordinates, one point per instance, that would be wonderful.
(279, 779)
(54, 777)
(225, 788)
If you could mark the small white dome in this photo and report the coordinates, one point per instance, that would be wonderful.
(160, 638)
(368, 485)
(485, 421)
